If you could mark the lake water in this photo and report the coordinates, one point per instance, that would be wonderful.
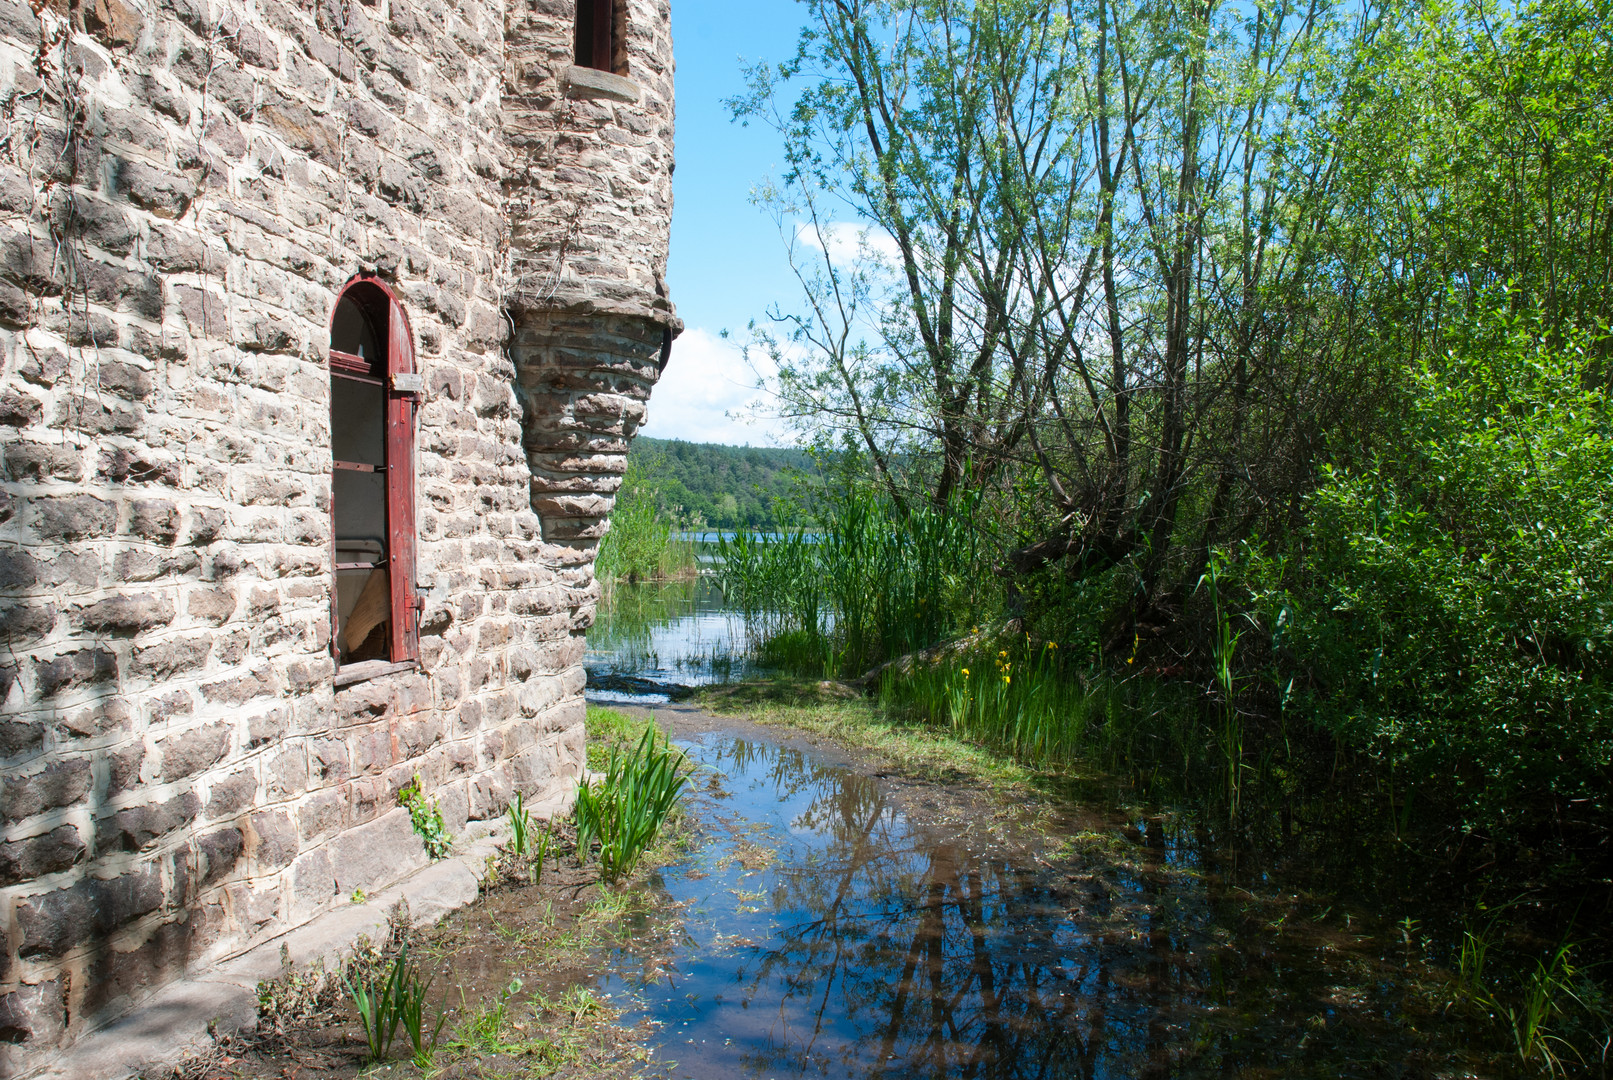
(655, 640)
(839, 920)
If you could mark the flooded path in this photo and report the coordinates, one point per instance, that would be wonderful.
(839, 921)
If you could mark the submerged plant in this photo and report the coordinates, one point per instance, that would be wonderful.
(626, 810)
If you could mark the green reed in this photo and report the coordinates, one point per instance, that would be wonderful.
(396, 997)
(642, 542)
(870, 583)
(1016, 700)
(627, 809)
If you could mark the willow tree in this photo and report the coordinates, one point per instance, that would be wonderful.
(1076, 242)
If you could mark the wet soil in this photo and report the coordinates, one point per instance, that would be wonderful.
(532, 948)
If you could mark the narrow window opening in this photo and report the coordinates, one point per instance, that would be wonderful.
(599, 35)
(372, 484)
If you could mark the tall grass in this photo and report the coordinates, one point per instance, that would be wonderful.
(640, 544)
(868, 583)
(1017, 701)
(1034, 704)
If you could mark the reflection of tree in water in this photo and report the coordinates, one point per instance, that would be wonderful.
(624, 620)
(916, 956)
(902, 951)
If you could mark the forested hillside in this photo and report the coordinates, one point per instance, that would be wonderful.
(724, 487)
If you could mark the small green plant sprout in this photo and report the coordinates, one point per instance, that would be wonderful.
(359, 896)
(527, 841)
(380, 1003)
(1408, 928)
(520, 825)
(426, 816)
(413, 1012)
(482, 1029)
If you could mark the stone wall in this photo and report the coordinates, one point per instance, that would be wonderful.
(184, 187)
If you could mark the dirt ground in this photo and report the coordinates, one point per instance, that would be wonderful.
(512, 975)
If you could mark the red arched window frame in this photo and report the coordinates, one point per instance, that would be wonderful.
(392, 372)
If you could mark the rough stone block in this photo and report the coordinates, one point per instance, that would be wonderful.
(26, 621)
(232, 794)
(274, 840)
(138, 827)
(53, 923)
(154, 519)
(313, 883)
(170, 658)
(190, 752)
(23, 860)
(377, 854)
(217, 853)
(130, 614)
(322, 815)
(61, 784)
(34, 1014)
(74, 517)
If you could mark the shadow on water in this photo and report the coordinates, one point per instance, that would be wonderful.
(839, 924)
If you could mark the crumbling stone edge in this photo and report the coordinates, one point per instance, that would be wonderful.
(184, 1017)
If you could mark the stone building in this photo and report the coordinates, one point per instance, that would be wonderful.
(324, 328)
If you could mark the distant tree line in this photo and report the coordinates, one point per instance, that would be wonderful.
(708, 485)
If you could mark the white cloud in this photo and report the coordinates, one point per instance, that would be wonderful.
(846, 242)
(706, 379)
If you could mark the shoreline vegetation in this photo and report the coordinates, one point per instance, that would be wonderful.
(1246, 423)
(643, 543)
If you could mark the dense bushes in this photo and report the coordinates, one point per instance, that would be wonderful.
(1449, 605)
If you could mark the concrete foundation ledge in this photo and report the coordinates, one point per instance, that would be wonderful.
(184, 1016)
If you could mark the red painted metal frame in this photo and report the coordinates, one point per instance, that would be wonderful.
(400, 418)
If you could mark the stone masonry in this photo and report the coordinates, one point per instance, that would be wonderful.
(185, 186)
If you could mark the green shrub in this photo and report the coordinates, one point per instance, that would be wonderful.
(426, 816)
(1450, 608)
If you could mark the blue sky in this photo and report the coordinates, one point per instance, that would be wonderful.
(728, 262)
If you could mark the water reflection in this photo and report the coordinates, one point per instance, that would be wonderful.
(836, 930)
(653, 637)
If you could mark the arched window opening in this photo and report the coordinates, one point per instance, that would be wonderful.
(373, 393)
(599, 35)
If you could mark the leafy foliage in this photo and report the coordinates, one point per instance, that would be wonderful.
(1451, 605)
(426, 816)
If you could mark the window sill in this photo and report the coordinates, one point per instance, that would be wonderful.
(590, 83)
(365, 670)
